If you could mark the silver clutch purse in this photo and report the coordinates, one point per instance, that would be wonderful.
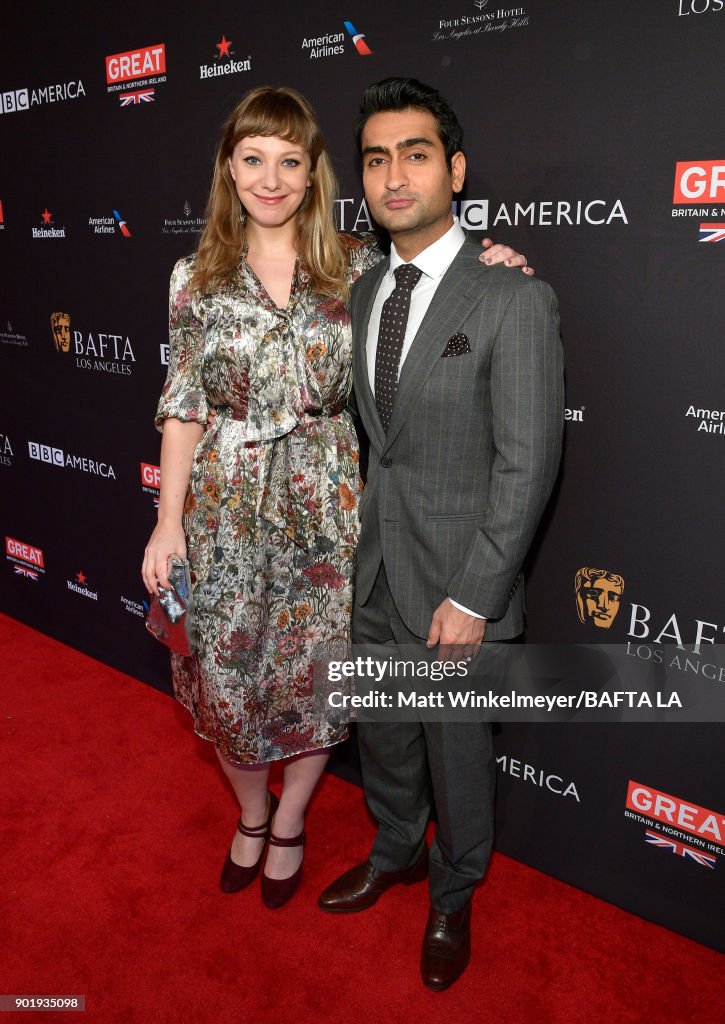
(171, 615)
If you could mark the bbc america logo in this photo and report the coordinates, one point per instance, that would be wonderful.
(478, 215)
(474, 213)
(44, 453)
(17, 100)
(57, 457)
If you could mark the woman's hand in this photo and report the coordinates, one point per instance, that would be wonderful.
(167, 539)
(497, 253)
(177, 450)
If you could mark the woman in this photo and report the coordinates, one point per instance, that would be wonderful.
(267, 496)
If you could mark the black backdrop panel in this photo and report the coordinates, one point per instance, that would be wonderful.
(594, 141)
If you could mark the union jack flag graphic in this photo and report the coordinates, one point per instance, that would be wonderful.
(29, 573)
(712, 233)
(145, 96)
(705, 859)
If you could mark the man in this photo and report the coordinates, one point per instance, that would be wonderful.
(458, 381)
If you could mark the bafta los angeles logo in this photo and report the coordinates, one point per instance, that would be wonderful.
(60, 325)
(598, 596)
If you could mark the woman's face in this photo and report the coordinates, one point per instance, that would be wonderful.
(271, 177)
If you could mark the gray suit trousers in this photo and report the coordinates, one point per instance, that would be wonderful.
(411, 767)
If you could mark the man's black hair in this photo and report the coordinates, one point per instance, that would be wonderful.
(406, 93)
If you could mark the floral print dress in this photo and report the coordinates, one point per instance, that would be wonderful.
(271, 511)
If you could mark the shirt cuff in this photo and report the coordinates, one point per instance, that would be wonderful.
(468, 611)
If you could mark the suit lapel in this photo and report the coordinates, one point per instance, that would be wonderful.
(365, 291)
(461, 289)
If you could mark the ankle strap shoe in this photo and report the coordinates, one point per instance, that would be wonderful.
(278, 891)
(236, 877)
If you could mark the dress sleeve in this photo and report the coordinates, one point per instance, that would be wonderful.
(364, 253)
(183, 397)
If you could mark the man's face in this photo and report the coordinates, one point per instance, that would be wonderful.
(408, 185)
(61, 333)
(601, 602)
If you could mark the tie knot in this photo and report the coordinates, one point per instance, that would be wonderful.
(407, 276)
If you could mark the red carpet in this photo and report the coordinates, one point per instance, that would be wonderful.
(116, 821)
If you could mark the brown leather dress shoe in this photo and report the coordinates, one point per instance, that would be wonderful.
(446, 947)
(363, 885)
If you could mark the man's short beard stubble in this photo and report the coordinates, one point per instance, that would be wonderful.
(421, 219)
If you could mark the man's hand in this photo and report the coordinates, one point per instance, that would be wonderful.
(458, 634)
(497, 253)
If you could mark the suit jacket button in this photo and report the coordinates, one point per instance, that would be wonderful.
(386, 462)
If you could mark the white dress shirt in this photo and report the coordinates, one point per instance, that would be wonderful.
(433, 262)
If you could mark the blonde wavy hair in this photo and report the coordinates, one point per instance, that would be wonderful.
(285, 113)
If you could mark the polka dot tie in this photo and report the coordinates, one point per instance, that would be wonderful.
(393, 321)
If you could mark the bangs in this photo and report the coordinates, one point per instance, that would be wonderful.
(282, 113)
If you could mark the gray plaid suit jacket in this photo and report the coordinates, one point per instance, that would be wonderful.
(456, 488)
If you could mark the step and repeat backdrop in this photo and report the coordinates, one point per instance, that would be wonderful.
(595, 146)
